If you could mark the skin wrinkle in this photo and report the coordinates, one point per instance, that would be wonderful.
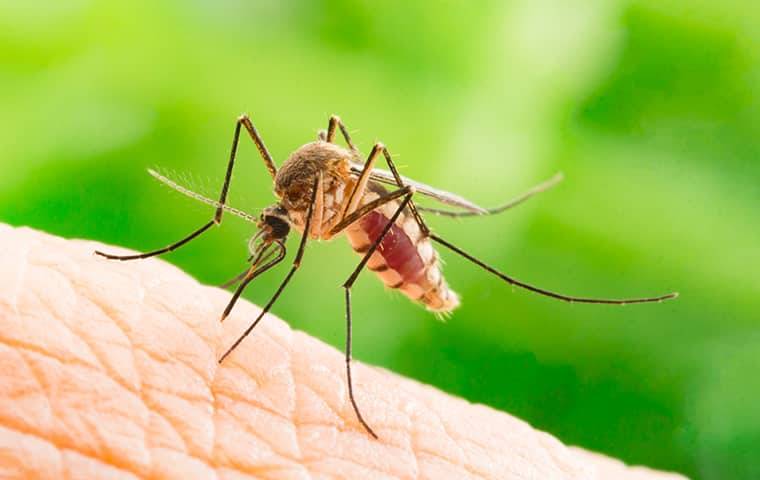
(133, 349)
(150, 391)
(142, 393)
(41, 389)
(103, 365)
(469, 442)
(286, 432)
(108, 438)
(441, 423)
(81, 359)
(61, 452)
(58, 443)
(257, 401)
(242, 420)
(67, 318)
(16, 344)
(21, 279)
(464, 464)
(201, 340)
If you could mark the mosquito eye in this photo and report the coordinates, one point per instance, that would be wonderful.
(280, 228)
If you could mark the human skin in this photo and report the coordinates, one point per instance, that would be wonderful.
(109, 370)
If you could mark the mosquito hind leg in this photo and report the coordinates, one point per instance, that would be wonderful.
(513, 281)
(243, 121)
(347, 286)
(412, 207)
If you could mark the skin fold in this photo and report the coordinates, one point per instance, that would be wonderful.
(108, 370)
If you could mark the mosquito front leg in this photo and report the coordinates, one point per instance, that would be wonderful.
(283, 284)
(347, 286)
(244, 121)
(259, 266)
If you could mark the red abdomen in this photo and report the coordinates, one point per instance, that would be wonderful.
(396, 247)
(404, 259)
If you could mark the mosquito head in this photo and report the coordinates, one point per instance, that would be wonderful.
(274, 223)
(274, 226)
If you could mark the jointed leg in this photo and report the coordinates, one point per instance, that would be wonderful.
(254, 271)
(541, 291)
(254, 134)
(365, 209)
(392, 167)
(512, 281)
(361, 183)
(284, 283)
(347, 286)
(217, 219)
(335, 121)
(168, 248)
(235, 280)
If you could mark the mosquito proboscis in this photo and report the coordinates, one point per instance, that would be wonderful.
(324, 190)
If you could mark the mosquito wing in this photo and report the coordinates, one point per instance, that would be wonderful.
(448, 198)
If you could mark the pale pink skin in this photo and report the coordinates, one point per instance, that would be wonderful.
(108, 370)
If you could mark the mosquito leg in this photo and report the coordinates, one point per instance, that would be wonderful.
(244, 121)
(234, 280)
(168, 248)
(240, 276)
(541, 187)
(548, 293)
(365, 209)
(347, 286)
(284, 283)
(335, 121)
(361, 183)
(217, 219)
(417, 217)
(254, 134)
(506, 278)
(254, 271)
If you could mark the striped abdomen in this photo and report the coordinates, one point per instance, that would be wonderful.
(404, 260)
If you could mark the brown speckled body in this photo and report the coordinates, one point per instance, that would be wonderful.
(404, 260)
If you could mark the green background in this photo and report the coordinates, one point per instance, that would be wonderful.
(650, 108)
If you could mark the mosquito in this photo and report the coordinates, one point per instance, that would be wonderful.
(324, 190)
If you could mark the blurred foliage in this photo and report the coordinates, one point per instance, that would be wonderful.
(649, 107)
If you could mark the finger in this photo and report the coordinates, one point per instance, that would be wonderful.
(109, 370)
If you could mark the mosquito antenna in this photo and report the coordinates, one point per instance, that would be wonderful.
(197, 196)
(548, 293)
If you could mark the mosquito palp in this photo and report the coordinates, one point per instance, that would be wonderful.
(323, 190)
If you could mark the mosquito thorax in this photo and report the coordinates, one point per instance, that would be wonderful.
(295, 181)
(295, 178)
